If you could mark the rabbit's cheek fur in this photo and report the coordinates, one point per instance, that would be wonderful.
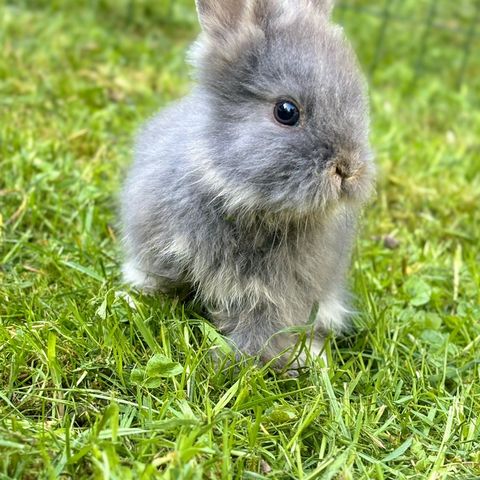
(257, 218)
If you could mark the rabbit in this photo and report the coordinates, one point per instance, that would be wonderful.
(248, 190)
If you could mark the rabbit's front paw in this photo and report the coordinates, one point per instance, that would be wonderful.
(171, 283)
(332, 315)
(314, 348)
(139, 279)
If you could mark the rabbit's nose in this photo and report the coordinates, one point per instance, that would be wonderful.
(346, 162)
(341, 171)
(343, 168)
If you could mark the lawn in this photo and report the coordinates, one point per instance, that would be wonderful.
(97, 381)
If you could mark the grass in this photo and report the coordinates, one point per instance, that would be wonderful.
(97, 384)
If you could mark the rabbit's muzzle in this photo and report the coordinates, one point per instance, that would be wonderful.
(349, 175)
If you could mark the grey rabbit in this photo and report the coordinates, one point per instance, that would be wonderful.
(248, 190)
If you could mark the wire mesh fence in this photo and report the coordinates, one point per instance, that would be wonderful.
(438, 37)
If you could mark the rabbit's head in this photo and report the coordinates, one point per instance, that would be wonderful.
(284, 105)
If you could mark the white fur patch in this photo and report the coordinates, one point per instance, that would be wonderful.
(314, 349)
(178, 247)
(331, 315)
(237, 196)
(139, 279)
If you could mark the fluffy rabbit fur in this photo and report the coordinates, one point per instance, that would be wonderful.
(257, 218)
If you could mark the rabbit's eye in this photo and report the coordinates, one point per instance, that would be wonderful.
(286, 113)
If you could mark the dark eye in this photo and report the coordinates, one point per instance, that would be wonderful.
(286, 113)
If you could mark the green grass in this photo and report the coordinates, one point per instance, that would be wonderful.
(93, 385)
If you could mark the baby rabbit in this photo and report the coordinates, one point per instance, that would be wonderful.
(248, 190)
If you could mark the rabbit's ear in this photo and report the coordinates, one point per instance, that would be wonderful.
(326, 6)
(217, 17)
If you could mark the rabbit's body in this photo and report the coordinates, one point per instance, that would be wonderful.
(256, 217)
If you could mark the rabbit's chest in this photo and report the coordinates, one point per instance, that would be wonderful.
(263, 253)
(257, 263)
(251, 248)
